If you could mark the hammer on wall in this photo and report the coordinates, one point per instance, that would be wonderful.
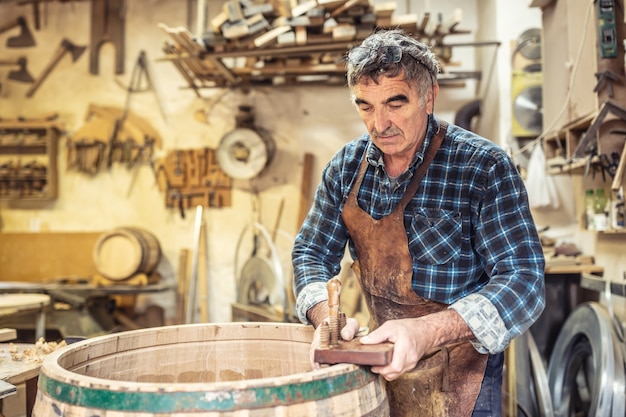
(65, 47)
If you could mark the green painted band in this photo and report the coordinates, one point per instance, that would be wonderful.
(226, 400)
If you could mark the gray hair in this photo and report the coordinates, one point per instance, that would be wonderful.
(418, 63)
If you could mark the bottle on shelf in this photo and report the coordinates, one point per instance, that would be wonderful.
(589, 209)
(600, 218)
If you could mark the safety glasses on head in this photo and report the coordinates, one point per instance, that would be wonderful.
(387, 54)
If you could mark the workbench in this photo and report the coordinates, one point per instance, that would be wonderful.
(12, 305)
(20, 372)
(89, 307)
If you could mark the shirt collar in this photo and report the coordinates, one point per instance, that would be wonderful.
(375, 155)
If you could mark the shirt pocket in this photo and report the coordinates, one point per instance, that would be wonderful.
(435, 236)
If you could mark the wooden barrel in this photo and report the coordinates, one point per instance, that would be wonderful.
(231, 369)
(126, 251)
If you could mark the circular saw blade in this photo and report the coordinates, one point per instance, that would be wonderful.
(242, 153)
(530, 43)
(258, 284)
(527, 108)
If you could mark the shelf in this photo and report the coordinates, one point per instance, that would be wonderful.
(612, 231)
(28, 165)
(560, 166)
(559, 147)
(260, 44)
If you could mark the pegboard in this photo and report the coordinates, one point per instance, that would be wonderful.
(192, 177)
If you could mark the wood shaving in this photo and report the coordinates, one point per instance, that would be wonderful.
(36, 354)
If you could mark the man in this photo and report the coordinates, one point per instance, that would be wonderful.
(438, 223)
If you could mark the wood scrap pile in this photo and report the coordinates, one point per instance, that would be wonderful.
(282, 42)
(37, 353)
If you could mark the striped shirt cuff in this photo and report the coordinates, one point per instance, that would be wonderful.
(312, 294)
(483, 319)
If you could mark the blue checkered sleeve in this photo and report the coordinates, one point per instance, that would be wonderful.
(471, 234)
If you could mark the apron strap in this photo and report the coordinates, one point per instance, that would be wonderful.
(433, 147)
(361, 174)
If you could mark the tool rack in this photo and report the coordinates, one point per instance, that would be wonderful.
(28, 160)
(271, 44)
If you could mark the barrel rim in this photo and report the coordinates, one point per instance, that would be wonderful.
(129, 396)
(51, 361)
(289, 390)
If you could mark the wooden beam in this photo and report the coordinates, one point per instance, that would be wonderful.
(7, 334)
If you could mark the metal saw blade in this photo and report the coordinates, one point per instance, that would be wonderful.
(258, 284)
(530, 43)
(527, 108)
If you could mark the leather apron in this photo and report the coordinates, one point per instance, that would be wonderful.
(447, 380)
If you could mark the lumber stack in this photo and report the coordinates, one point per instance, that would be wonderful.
(281, 42)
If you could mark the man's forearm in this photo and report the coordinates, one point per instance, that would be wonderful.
(447, 327)
(318, 313)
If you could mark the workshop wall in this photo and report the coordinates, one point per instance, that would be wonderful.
(315, 120)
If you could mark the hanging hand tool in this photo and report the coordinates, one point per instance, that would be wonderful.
(21, 74)
(36, 14)
(134, 86)
(621, 164)
(609, 164)
(108, 18)
(588, 141)
(36, 10)
(65, 47)
(141, 81)
(24, 39)
(606, 79)
(187, 74)
(590, 165)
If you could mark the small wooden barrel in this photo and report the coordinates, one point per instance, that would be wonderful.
(126, 251)
(231, 369)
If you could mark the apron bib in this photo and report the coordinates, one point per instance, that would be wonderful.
(447, 380)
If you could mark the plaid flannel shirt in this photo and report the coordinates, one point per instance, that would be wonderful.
(471, 234)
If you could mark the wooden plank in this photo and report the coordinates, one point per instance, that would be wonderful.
(182, 288)
(354, 352)
(7, 334)
(347, 5)
(203, 277)
(385, 9)
(282, 7)
(270, 36)
(45, 256)
(303, 8)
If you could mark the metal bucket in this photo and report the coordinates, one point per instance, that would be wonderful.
(232, 369)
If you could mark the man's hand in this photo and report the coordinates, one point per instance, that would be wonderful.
(414, 337)
(347, 333)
